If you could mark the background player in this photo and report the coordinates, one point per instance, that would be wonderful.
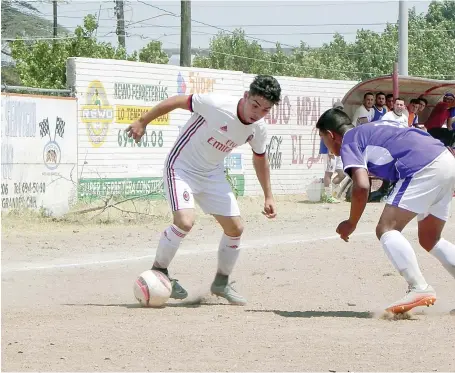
(425, 173)
(194, 171)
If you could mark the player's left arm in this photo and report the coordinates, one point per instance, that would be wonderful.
(355, 166)
(262, 167)
(360, 192)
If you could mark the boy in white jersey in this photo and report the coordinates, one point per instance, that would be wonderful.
(424, 172)
(194, 171)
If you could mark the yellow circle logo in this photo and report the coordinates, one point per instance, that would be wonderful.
(96, 113)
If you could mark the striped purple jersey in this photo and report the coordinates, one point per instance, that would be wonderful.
(387, 151)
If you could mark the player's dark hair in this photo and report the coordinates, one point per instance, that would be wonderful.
(415, 101)
(368, 94)
(334, 120)
(390, 95)
(423, 99)
(380, 93)
(266, 86)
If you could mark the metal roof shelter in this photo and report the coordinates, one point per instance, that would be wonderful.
(409, 87)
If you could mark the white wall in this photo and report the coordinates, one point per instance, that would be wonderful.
(107, 90)
(39, 152)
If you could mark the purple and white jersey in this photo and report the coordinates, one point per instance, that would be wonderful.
(387, 151)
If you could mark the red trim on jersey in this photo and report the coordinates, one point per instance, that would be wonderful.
(258, 155)
(238, 113)
(190, 103)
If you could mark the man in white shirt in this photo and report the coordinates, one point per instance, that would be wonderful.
(365, 112)
(194, 171)
(397, 114)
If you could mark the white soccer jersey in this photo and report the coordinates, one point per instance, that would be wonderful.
(211, 133)
(362, 114)
(401, 119)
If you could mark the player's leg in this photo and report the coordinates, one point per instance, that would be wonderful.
(401, 254)
(181, 200)
(219, 200)
(430, 230)
(427, 192)
(329, 170)
(431, 226)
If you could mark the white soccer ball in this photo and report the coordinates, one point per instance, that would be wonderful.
(152, 288)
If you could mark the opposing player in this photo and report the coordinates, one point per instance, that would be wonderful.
(424, 170)
(194, 171)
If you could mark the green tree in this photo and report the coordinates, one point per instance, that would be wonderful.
(431, 51)
(151, 53)
(43, 63)
(235, 52)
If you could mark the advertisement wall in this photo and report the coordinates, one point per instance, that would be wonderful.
(39, 152)
(111, 94)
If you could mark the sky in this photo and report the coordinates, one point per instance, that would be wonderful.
(287, 22)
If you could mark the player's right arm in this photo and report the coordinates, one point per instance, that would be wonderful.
(194, 103)
(164, 107)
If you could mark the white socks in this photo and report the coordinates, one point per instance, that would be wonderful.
(228, 252)
(444, 251)
(328, 191)
(169, 243)
(403, 258)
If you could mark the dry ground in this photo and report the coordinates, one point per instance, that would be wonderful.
(314, 301)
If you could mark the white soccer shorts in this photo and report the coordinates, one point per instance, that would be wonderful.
(429, 191)
(212, 193)
(333, 164)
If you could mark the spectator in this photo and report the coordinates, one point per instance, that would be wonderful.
(364, 112)
(440, 116)
(413, 109)
(379, 108)
(389, 102)
(451, 121)
(331, 164)
(397, 114)
(423, 104)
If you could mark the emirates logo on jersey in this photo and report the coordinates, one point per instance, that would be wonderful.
(222, 147)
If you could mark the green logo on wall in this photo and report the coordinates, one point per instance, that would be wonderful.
(149, 187)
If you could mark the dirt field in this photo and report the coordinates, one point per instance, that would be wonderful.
(315, 302)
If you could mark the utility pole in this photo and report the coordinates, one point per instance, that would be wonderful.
(185, 33)
(120, 22)
(54, 5)
(403, 37)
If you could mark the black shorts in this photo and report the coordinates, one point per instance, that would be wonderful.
(446, 136)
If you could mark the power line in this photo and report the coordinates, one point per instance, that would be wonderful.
(216, 27)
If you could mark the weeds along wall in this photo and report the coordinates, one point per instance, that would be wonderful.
(112, 93)
(39, 153)
(58, 149)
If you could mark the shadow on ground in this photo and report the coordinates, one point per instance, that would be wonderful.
(309, 314)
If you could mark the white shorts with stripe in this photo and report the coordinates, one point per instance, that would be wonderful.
(429, 191)
(212, 193)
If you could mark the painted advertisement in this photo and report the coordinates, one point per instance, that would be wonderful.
(114, 93)
(39, 153)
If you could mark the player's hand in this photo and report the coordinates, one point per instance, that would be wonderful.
(345, 229)
(269, 208)
(136, 130)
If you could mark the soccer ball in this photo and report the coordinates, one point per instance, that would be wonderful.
(152, 288)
